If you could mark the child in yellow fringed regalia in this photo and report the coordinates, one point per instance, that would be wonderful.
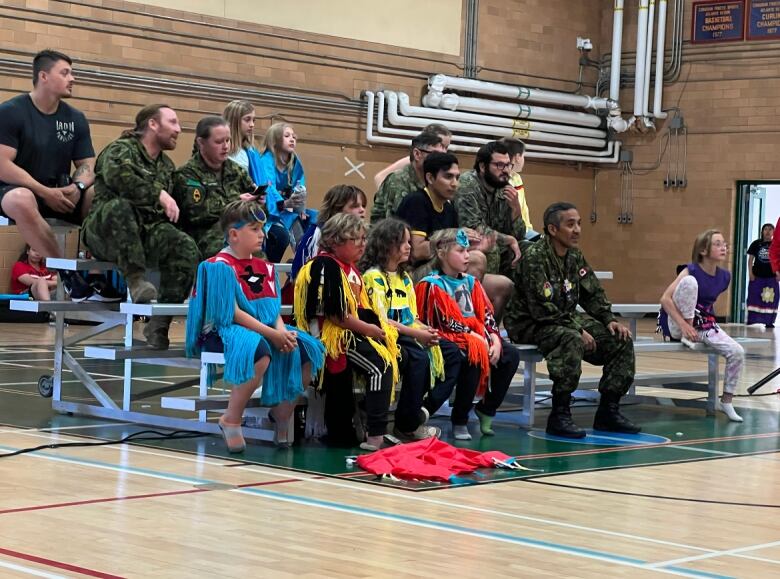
(330, 295)
(390, 287)
(453, 302)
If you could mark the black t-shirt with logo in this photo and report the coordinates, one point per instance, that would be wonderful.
(762, 267)
(418, 211)
(45, 145)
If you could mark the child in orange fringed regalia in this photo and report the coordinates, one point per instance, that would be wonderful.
(454, 303)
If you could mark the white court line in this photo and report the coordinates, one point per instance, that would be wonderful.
(55, 429)
(716, 554)
(29, 570)
(707, 450)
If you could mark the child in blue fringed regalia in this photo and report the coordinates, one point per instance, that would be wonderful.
(235, 308)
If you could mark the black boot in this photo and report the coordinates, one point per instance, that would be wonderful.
(609, 418)
(559, 423)
(156, 332)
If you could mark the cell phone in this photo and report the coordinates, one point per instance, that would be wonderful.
(260, 190)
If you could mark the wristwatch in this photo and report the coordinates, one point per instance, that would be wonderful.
(80, 185)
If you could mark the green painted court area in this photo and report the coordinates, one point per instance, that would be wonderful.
(670, 434)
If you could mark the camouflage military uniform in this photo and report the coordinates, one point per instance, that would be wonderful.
(484, 209)
(392, 191)
(202, 195)
(127, 224)
(543, 311)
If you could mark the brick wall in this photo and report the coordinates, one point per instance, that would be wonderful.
(128, 55)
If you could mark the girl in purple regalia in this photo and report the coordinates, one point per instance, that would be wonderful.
(690, 303)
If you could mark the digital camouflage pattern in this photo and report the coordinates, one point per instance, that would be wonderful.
(392, 191)
(484, 209)
(202, 194)
(128, 226)
(543, 311)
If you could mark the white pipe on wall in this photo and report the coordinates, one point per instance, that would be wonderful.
(617, 46)
(394, 118)
(596, 157)
(648, 60)
(479, 141)
(454, 102)
(409, 110)
(440, 82)
(641, 49)
(659, 61)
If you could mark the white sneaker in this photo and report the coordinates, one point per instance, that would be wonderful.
(727, 408)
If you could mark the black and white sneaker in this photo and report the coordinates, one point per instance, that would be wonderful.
(102, 291)
(78, 289)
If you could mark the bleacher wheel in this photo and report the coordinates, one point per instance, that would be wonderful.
(46, 386)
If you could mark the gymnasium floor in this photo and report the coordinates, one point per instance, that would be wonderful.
(692, 496)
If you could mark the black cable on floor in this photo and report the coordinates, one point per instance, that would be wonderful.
(648, 496)
(136, 436)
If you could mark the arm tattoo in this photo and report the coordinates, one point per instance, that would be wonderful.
(83, 170)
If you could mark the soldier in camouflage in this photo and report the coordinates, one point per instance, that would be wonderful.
(133, 215)
(552, 280)
(407, 180)
(204, 185)
(484, 203)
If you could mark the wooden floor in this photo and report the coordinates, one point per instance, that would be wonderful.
(140, 511)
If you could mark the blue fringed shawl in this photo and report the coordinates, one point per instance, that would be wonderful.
(217, 292)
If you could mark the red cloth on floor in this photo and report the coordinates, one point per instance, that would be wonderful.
(429, 459)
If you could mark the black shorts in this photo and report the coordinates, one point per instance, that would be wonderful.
(47, 212)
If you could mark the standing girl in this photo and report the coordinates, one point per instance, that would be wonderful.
(689, 301)
(763, 288)
(454, 302)
(391, 289)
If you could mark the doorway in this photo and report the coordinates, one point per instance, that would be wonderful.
(758, 202)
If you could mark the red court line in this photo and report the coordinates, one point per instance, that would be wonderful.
(646, 446)
(134, 497)
(58, 564)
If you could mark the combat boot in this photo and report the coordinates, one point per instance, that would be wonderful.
(560, 423)
(609, 418)
(156, 332)
(141, 291)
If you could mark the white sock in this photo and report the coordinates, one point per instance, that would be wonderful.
(727, 408)
(461, 432)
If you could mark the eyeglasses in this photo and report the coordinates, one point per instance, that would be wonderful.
(720, 244)
(502, 166)
(358, 240)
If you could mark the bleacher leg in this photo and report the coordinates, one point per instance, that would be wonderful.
(712, 382)
(529, 394)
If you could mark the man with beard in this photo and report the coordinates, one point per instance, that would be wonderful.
(133, 215)
(553, 278)
(483, 205)
(40, 136)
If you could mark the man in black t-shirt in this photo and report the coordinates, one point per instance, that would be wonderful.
(430, 209)
(40, 137)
